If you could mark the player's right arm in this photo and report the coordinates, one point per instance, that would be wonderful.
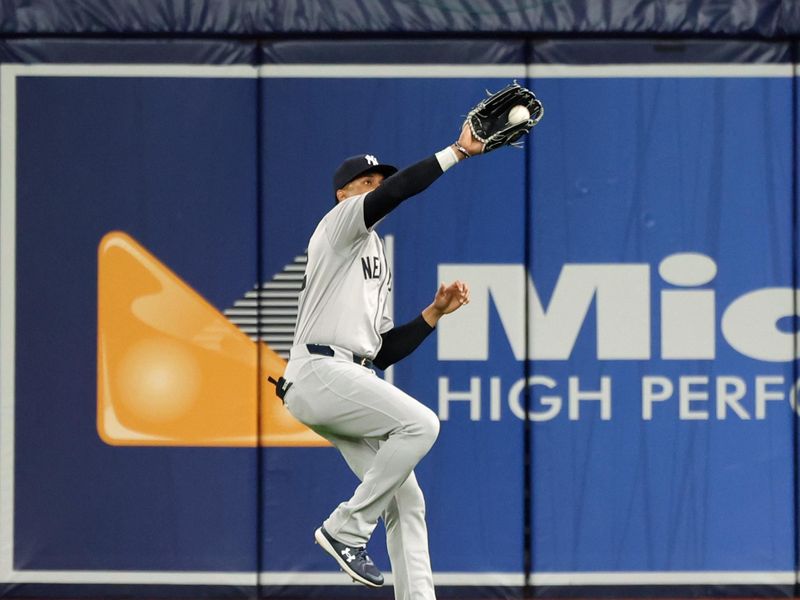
(416, 178)
(399, 342)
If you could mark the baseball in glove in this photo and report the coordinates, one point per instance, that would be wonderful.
(493, 122)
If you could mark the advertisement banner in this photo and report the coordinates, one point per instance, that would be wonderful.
(617, 401)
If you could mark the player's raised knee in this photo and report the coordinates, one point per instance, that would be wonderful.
(430, 426)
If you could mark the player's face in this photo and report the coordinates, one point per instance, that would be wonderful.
(360, 185)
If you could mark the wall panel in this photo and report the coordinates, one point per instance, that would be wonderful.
(692, 470)
(129, 228)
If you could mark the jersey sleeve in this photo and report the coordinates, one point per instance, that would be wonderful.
(344, 224)
(401, 341)
(386, 322)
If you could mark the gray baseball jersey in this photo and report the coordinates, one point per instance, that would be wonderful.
(347, 283)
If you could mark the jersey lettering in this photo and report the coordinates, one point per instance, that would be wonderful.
(371, 267)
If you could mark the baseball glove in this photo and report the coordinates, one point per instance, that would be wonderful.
(489, 122)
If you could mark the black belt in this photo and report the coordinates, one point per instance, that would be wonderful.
(328, 351)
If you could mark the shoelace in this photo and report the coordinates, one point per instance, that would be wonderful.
(362, 554)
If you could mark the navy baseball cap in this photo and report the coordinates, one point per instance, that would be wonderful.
(359, 165)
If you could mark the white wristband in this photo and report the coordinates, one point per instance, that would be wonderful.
(447, 158)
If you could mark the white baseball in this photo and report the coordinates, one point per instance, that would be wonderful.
(518, 114)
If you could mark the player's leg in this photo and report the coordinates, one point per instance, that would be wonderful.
(349, 401)
(404, 517)
(353, 560)
(407, 542)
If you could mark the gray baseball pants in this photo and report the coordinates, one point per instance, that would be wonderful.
(382, 433)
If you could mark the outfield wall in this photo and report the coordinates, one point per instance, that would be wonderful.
(616, 401)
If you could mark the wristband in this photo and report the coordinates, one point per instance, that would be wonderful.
(447, 158)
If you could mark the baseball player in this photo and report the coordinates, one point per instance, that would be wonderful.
(342, 331)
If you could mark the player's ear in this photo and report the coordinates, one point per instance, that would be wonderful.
(340, 195)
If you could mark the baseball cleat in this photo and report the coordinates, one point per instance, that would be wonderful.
(353, 560)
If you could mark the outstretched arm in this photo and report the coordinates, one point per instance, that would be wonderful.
(403, 340)
(416, 178)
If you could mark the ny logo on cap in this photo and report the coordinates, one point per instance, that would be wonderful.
(371, 160)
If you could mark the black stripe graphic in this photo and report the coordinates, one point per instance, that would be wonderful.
(269, 313)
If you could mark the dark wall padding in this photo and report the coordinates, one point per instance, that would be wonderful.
(765, 19)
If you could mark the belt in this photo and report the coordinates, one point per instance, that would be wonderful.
(328, 351)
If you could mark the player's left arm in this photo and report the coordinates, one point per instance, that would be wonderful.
(403, 340)
(414, 179)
